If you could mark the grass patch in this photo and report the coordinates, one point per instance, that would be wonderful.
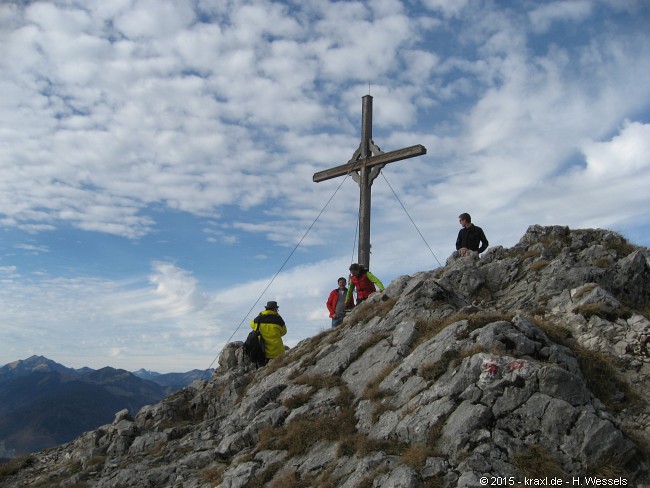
(602, 262)
(362, 445)
(213, 474)
(367, 344)
(601, 310)
(368, 310)
(434, 482)
(372, 390)
(14, 465)
(416, 456)
(298, 400)
(435, 431)
(600, 371)
(536, 462)
(433, 371)
(530, 253)
(262, 478)
(277, 363)
(481, 319)
(557, 333)
(318, 381)
(425, 329)
(292, 479)
(428, 328)
(298, 436)
(539, 265)
(620, 246)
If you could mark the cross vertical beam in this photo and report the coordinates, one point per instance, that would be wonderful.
(365, 165)
(365, 183)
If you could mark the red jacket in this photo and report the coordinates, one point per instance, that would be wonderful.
(332, 300)
(364, 286)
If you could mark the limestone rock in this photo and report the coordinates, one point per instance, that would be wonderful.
(531, 361)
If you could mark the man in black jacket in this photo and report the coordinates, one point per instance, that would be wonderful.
(471, 237)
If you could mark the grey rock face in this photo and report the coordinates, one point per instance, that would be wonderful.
(526, 362)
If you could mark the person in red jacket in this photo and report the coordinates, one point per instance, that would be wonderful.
(336, 302)
(364, 282)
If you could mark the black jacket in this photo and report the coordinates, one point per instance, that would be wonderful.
(472, 238)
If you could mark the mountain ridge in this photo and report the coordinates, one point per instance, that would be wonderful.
(528, 363)
(44, 404)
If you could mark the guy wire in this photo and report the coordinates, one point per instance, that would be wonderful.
(352, 168)
(409, 216)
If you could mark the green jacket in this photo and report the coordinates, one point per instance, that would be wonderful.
(365, 285)
(272, 329)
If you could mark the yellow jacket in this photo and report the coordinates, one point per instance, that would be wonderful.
(272, 329)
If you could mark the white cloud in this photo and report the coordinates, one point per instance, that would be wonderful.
(117, 112)
(627, 155)
(542, 17)
(449, 8)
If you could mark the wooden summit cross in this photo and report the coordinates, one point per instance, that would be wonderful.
(365, 165)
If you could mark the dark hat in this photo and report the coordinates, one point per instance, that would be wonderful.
(272, 305)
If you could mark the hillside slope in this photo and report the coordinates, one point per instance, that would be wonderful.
(44, 404)
(531, 362)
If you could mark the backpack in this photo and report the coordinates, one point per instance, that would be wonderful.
(254, 346)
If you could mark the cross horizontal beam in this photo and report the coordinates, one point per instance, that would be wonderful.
(383, 158)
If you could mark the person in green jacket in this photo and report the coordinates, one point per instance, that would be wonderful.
(272, 328)
(364, 282)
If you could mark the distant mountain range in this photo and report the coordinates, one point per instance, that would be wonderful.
(44, 404)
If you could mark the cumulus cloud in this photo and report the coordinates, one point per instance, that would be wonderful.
(116, 115)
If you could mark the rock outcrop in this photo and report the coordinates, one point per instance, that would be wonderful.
(530, 363)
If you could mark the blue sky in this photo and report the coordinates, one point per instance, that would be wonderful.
(157, 155)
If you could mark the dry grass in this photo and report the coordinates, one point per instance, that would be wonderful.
(319, 381)
(621, 247)
(428, 328)
(435, 431)
(603, 263)
(213, 474)
(600, 370)
(292, 479)
(603, 311)
(416, 456)
(298, 436)
(530, 253)
(434, 482)
(263, 477)
(277, 363)
(433, 371)
(601, 375)
(14, 465)
(539, 265)
(372, 390)
(370, 341)
(481, 319)
(362, 445)
(555, 332)
(369, 310)
(298, 400)
(536, 462)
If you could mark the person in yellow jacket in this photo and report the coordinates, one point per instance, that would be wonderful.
(272, 328)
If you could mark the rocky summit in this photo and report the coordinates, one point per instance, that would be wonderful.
(528, 366)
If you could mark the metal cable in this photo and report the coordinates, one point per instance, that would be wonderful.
(285, 262)
(409, 216)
